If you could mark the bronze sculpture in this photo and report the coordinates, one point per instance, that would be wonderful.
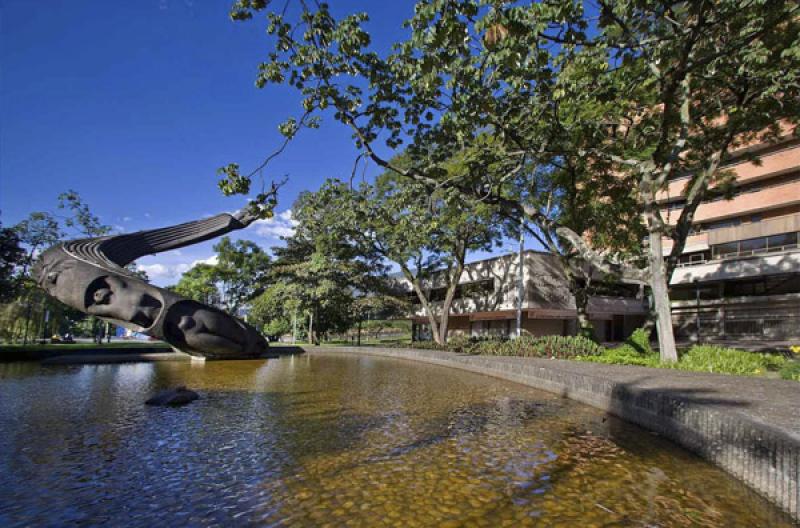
(90, 275)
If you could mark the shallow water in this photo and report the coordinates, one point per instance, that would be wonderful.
(339, 441)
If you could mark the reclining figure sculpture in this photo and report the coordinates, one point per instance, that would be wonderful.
(90, 275)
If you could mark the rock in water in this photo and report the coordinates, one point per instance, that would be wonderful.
(176, 396)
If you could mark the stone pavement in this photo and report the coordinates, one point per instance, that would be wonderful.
(748, 426)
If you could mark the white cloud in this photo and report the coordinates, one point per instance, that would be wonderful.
(147, 215)
(280, 225)
(126, 218)
(164, 273)
(160, 272)
(211, 261)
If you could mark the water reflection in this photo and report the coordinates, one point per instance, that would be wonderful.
(309, 440)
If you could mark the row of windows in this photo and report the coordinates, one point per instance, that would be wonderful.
(474, 289)
(755, 246)
(773, 285)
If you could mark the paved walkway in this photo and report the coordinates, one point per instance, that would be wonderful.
(748, 426)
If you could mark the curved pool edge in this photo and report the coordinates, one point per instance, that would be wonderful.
(750, 427)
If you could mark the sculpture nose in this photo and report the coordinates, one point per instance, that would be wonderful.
(101, 296)
(187, 322)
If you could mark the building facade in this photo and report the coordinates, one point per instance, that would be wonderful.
(739, 275)
(486, 302)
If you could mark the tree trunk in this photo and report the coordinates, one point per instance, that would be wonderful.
(454, 277)
(661, 305)
(585, 327)
(423, 299)
(311, 328)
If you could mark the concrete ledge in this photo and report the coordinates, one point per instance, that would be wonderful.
(748, 426)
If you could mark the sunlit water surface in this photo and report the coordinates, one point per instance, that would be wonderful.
(336, 440)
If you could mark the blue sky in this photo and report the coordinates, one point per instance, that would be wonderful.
(136, 104)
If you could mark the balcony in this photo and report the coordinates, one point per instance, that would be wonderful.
(738, 267)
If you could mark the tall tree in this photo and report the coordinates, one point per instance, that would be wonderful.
(199, 283)
(426, 232)
(327, 277)
(81, 219)
(673, 87)
(241, 268)
(11, 257)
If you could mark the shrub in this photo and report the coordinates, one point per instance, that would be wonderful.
(624, 355)
(466, 344)
(427, 345)
(559, 347)
(791, 370)
(640, 341)
(713, 358)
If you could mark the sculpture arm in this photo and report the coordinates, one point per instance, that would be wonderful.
(124, 249)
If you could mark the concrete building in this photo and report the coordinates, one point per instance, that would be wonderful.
(738, 278)
(486, 302)
(739, 275)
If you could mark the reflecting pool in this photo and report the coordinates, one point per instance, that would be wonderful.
(337, 440)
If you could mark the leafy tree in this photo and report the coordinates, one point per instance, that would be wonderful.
(241, 268)
(326, 276)
(82, 219)
(669, 88)
(199, 283)
(426, 232)
(39, 231)
(276, 309)
(11, 256)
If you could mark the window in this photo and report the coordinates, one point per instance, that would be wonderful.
(780, 242)
(706, 292)
(755, 246)
(727, 249)
(774, 285)
(691, 259)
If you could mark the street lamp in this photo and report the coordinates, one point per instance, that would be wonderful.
(696, 282)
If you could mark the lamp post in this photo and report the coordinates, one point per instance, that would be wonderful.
(520, 275)
(697, 304)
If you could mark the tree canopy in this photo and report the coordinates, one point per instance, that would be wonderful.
(643, 90)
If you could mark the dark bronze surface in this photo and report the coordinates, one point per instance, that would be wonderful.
(90, 275)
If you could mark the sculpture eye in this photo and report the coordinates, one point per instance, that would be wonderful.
(102, 296)
(52, 277)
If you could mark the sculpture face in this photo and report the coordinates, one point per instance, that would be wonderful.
(89, 276)
(123, 299)
(199, 327)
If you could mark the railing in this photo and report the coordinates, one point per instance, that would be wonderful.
(759, 251)
(739, 254)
